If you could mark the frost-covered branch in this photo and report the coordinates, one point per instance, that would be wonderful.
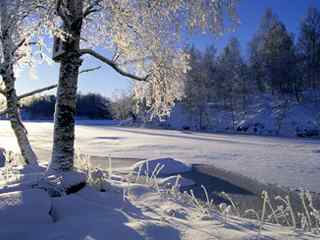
(22, 43)
(19, 45)
(112, 64)
(91, 8)
(37, 91)
(137, 60)
(29, 94)
(89, 69)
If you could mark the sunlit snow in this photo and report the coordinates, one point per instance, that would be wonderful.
(292, 162)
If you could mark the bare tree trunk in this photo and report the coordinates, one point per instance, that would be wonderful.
(64, 124)
(15, 120)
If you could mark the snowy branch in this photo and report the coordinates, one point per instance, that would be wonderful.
(92, 8)
(112, 64)
(3, 112)
(18, 45)
(132, 61)
(89, 69)
(37, 91)
(21, 43)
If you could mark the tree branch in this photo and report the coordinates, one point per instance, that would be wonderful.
(89, 69)
(91, 8)
(112, 64)
(135, 60)
(89, 11)
(22, 42)
(18, 46)
(3, 112)
(37, 91)
(62, 14)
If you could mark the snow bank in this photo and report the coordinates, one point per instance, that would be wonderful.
(25, 207)
(170, 166)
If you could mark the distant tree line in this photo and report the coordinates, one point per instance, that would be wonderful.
(89, 106)
(277, 63)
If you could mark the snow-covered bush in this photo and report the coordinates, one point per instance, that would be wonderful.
(168, 167)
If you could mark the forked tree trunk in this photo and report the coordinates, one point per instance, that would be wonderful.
(64, 124)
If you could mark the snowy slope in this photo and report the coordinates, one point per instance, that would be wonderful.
(263, 115)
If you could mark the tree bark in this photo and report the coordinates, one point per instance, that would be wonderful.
(15, 120)
(63, 141)
(64, 123)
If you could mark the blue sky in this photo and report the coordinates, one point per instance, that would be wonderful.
(106, 81)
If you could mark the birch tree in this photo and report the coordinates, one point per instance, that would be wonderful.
(19, 24)
(142, 41)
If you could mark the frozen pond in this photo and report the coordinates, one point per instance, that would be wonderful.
(289, 162)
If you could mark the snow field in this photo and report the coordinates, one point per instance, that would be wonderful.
(131, 209)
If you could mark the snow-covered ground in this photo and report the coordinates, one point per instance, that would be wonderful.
(140, 214)
(291, 162)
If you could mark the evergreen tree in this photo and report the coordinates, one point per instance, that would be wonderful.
(232, 76)
(272, 56)
(278, 54)
(199, 84)
(309, 48)
(256, 61)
